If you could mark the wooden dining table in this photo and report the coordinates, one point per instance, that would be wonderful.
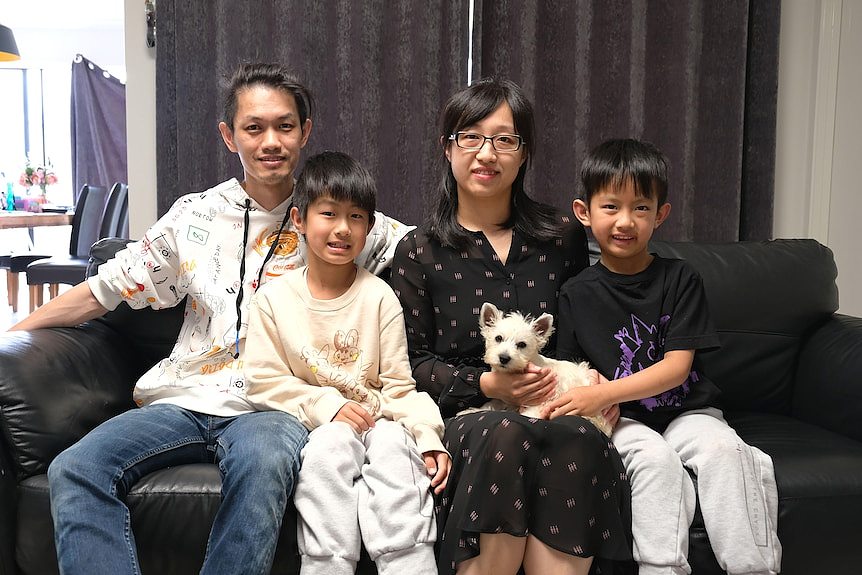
(18, 219)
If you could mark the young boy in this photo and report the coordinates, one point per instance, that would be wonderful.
(327, 344)
(640, 320)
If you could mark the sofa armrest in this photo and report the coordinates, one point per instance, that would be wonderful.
(828, 389)
(55, 385)
(8, 510)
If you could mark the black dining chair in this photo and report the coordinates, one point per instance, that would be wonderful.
(86, 227)
(116, 212)
(16, 263)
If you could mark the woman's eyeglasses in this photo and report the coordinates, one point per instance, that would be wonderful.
(473, 141)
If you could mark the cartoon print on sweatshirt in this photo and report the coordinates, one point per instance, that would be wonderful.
(335, 371)
(642, 345)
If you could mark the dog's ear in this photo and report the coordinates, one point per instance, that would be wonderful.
(488, 315)
(543, 326)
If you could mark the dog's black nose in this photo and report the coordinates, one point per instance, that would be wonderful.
(504, 358)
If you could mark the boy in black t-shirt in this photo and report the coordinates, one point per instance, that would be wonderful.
(640, 320)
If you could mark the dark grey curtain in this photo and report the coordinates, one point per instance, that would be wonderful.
(380, 72)
(98, 126)
(697, 78)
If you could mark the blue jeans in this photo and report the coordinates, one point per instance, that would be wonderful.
(257, 455)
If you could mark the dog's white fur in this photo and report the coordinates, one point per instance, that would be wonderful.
(512, 341)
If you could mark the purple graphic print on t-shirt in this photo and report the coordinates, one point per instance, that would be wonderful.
(642, 345)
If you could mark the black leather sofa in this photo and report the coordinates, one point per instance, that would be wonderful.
(790, 369)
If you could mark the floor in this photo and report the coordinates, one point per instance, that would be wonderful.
(7, 317)
(46, 240)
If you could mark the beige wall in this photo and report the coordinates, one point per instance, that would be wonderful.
(140, 120)
(819, 148)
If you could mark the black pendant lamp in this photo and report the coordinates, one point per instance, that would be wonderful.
(8, 47)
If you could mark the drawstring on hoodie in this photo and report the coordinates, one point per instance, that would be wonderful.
(239, 293)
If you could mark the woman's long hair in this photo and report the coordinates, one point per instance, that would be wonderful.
(533, 220)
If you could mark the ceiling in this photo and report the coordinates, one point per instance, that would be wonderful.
(63, 14)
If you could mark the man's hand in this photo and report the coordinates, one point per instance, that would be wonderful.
(533, 386)
(355, 416)
(437, 463)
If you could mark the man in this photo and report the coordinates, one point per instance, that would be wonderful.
(214, 248)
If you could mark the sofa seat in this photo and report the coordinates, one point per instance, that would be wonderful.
(819, 477)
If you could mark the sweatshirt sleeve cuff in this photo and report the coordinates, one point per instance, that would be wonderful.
(326, 407)
(427, 439)
(106, 298)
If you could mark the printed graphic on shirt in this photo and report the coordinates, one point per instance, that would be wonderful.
(198, 235)
(286, 242)
(642, 345)
(286, 256)
(342, 367)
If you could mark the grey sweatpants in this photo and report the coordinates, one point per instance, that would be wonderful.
(736, 487)
(370, 488)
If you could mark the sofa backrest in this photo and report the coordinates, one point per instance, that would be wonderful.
(764, 298)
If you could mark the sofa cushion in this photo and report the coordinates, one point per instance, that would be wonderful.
(761, 317)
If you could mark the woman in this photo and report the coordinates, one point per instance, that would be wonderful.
(550, 495)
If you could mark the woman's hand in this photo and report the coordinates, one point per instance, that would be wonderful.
(533, 386)
(355, 416)
(437, 463)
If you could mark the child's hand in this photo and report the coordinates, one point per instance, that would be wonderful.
(612, 415)
(437, 463)
(588, 400)
(355, 416)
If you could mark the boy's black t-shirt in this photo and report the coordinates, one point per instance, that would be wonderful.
(624, 323)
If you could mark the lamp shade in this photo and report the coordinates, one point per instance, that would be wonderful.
(8, 47)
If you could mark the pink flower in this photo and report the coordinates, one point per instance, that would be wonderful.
(36, 178)
(24, 181)
(50, 179)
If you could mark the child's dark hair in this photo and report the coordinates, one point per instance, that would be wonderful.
(616, 162)
(337, 176)
(273, 76)
(534, 220)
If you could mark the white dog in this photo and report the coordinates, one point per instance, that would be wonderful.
(512, 341)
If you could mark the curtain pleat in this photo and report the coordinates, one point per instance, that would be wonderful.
(380, 72)
(698, 79)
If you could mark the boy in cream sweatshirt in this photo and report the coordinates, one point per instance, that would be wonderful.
(326, 343)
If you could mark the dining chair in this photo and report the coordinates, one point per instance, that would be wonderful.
(123, 231)
(116, 210)
(16, 263)
(86, 228)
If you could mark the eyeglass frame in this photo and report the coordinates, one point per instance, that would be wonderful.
(454, 138)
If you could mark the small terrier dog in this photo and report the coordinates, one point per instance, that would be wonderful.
(511, 342)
